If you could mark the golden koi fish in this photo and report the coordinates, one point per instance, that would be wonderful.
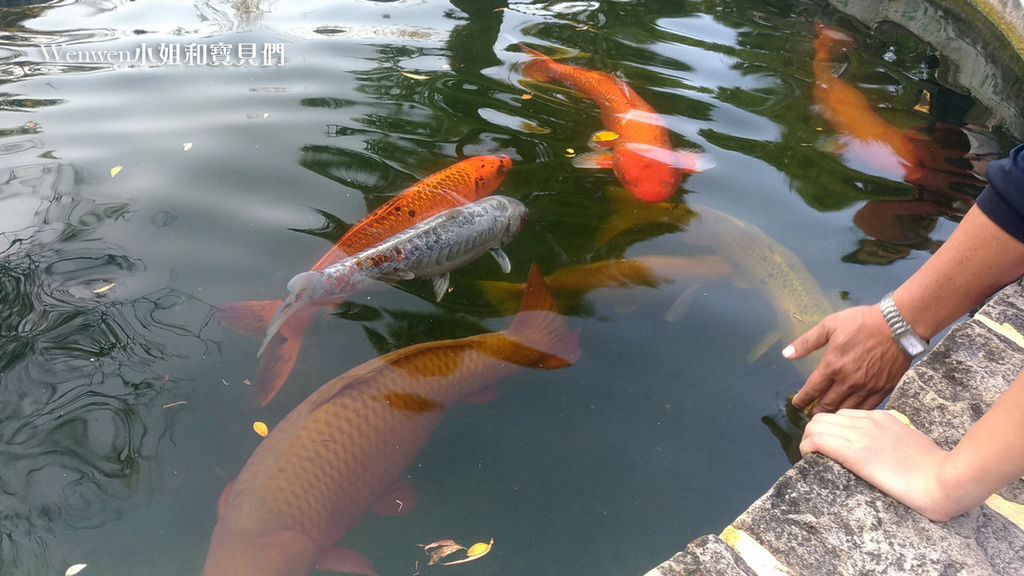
(342, 450)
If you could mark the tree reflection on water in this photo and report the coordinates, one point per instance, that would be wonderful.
(80, 356)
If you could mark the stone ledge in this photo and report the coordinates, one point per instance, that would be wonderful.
(821, 519)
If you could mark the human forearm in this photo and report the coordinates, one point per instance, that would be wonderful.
(987, 458)
(978, 259)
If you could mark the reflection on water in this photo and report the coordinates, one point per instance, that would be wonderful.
(124, 412)
(81, 420)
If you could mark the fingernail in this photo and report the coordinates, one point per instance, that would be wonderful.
(788, 351)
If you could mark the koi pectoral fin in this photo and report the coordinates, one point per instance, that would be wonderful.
(440, 285)
(347, 561)
(597, 160)
(401, 499)
(763, 346)
(502, 259)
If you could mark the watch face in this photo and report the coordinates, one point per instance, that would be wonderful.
(911, 344)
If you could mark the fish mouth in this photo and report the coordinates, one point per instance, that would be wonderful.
(285, 311)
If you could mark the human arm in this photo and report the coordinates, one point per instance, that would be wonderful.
(910, 467)
(862, 362)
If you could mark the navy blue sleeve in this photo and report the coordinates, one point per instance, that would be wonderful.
(1003, 199)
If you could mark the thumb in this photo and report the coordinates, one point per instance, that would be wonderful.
(811, 340)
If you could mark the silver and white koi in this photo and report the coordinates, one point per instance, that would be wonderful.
(430, 249)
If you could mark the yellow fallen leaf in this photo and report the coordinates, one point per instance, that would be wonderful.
(475, 551)
(260, 428)
(527, 96)
(114, 171)
(415, 76)
(479, 549)
(604, 136)
(103, 289)
(570, 152)
(75, 569)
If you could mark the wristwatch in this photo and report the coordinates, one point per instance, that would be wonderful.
(902, 333)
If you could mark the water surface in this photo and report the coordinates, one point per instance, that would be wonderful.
(138, 194)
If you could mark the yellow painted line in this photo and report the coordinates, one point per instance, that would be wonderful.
(1010, 510)
(760, 560)
(1004, 329)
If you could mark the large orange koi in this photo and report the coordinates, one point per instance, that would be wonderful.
(642, 156)
(338, 453)
(866, 141)
(461, 183)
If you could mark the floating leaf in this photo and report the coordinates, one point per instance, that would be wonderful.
(605, 136)
(475, 551)
(114, 171)
(260, 428)
(415, 76)
(442, 549)
(570, 152)
(527, 96)
(178, 403)
(75, 569)
(103, 289)
(187, 146)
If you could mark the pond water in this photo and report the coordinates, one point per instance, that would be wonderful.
(142, 186)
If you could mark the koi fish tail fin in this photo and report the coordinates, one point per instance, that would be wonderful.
(504, 296)
(250, 318)
(279, 355)
(540, 326)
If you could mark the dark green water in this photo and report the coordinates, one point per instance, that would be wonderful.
(234, 177)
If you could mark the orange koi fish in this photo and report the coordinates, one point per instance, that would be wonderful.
(461, 183)
(338, 453)
(642, 156)
(572, 283)
(866, 141)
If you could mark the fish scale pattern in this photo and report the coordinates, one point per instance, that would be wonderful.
(341, 450)
(460, 183)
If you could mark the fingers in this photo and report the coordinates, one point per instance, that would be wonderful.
(817, 383)
(811, 340)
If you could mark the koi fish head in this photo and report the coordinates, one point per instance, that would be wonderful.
(488, 172)
(308, 288)
(515, 217)
(278, 554)
(649, 173)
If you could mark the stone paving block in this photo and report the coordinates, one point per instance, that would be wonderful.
(1007, 306)
(977, 359)
(705, 556)
(821, 519)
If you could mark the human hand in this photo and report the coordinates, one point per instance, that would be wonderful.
(861, 364)
(896, 458)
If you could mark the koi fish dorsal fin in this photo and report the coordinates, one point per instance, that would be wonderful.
(539, 325)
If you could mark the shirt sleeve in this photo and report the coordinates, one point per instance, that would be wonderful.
(1003, 198)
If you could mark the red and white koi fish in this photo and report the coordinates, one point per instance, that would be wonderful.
(461, 183)
(641, 156)
(430, 249)
(345, 447)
